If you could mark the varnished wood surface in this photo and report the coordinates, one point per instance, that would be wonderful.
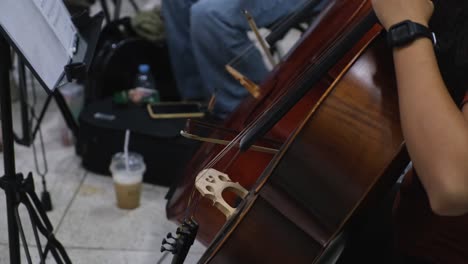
(342, 160)
(245, 168)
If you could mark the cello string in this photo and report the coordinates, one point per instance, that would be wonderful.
(196, 204)
(295, 81)
(238, 152)
(324, 54)
(286, 20)
(190, 206)
(298, 80)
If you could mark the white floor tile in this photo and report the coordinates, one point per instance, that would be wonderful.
(87, 222)
(84, 256)
(195, 253)
(63, 178)
(94, 221)
(5, 255)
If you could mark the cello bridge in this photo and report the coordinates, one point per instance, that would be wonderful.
(212, 183)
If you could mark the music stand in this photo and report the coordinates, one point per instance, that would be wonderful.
(20, 189)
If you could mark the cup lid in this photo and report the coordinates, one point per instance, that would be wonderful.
(135, 162)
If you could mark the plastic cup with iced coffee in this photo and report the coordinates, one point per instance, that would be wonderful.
(127, 173)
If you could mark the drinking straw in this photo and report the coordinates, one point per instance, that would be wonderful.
(127, 141)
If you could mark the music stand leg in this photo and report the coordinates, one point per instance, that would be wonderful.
(135, 6)
(8, 151)
(17, 188)
(105, 10)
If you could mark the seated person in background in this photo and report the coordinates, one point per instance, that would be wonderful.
(204, 35)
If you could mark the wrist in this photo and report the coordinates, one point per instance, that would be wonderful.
(406, 32)
(414, 48)
(390, 25)
(415, 59)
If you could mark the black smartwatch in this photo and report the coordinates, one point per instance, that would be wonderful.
(406, 32)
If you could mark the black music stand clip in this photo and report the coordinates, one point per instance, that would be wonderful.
(18, 189)
(75, 71)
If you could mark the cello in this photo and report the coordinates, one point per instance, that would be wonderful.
(246, 167)
(243, 170)
(331, 173)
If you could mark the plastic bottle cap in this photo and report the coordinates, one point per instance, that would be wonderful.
(143, 68)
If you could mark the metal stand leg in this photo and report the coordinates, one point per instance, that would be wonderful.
(135, 6)
(105, 10)
(17, 189)
(11, 187)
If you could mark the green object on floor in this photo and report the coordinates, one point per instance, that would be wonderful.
(123, 98)
(120, 98)
(154, 98)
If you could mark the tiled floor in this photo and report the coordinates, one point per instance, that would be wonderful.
(85, 217)
(86, 220)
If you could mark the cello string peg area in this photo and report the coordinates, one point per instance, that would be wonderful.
(182, 231)
(169, 236)
(172, 244)
(193, 225)
(169, 249)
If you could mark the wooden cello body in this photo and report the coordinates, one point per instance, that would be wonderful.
(246, 167)
(340, 161)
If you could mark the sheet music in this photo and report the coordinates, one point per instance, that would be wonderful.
(43, 36)
(58, 18)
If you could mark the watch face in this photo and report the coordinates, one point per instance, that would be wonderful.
(406, 31)
(401, 34)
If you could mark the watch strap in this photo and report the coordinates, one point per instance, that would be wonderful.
(406, 32)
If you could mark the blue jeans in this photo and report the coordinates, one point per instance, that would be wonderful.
(204, 35)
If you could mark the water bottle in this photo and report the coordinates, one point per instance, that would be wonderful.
(145, 83)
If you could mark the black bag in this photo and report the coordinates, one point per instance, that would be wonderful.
(119, 52)
(102, 133)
